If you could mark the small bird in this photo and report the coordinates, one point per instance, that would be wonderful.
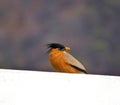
(62, 61)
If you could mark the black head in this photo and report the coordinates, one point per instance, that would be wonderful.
(56, 45)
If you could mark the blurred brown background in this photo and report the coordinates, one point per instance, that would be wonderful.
(90, 27)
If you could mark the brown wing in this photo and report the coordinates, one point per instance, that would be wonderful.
(74, 62)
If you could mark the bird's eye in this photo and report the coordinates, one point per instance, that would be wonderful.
(62, 49)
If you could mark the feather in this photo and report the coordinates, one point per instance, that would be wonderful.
(79, 69)
(73, 61)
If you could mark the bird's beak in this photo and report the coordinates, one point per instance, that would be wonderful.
(67, 48)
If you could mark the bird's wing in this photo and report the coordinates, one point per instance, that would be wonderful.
(74, 62)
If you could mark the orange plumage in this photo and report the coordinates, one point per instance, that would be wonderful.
(63, 61)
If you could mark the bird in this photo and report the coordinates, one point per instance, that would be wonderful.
(62, 61)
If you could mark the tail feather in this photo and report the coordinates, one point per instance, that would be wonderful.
(81, 70)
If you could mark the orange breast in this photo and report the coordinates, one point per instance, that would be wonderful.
(60, 63)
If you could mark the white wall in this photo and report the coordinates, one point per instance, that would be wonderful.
(44, 88)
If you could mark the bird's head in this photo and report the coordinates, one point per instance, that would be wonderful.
(58, 47)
